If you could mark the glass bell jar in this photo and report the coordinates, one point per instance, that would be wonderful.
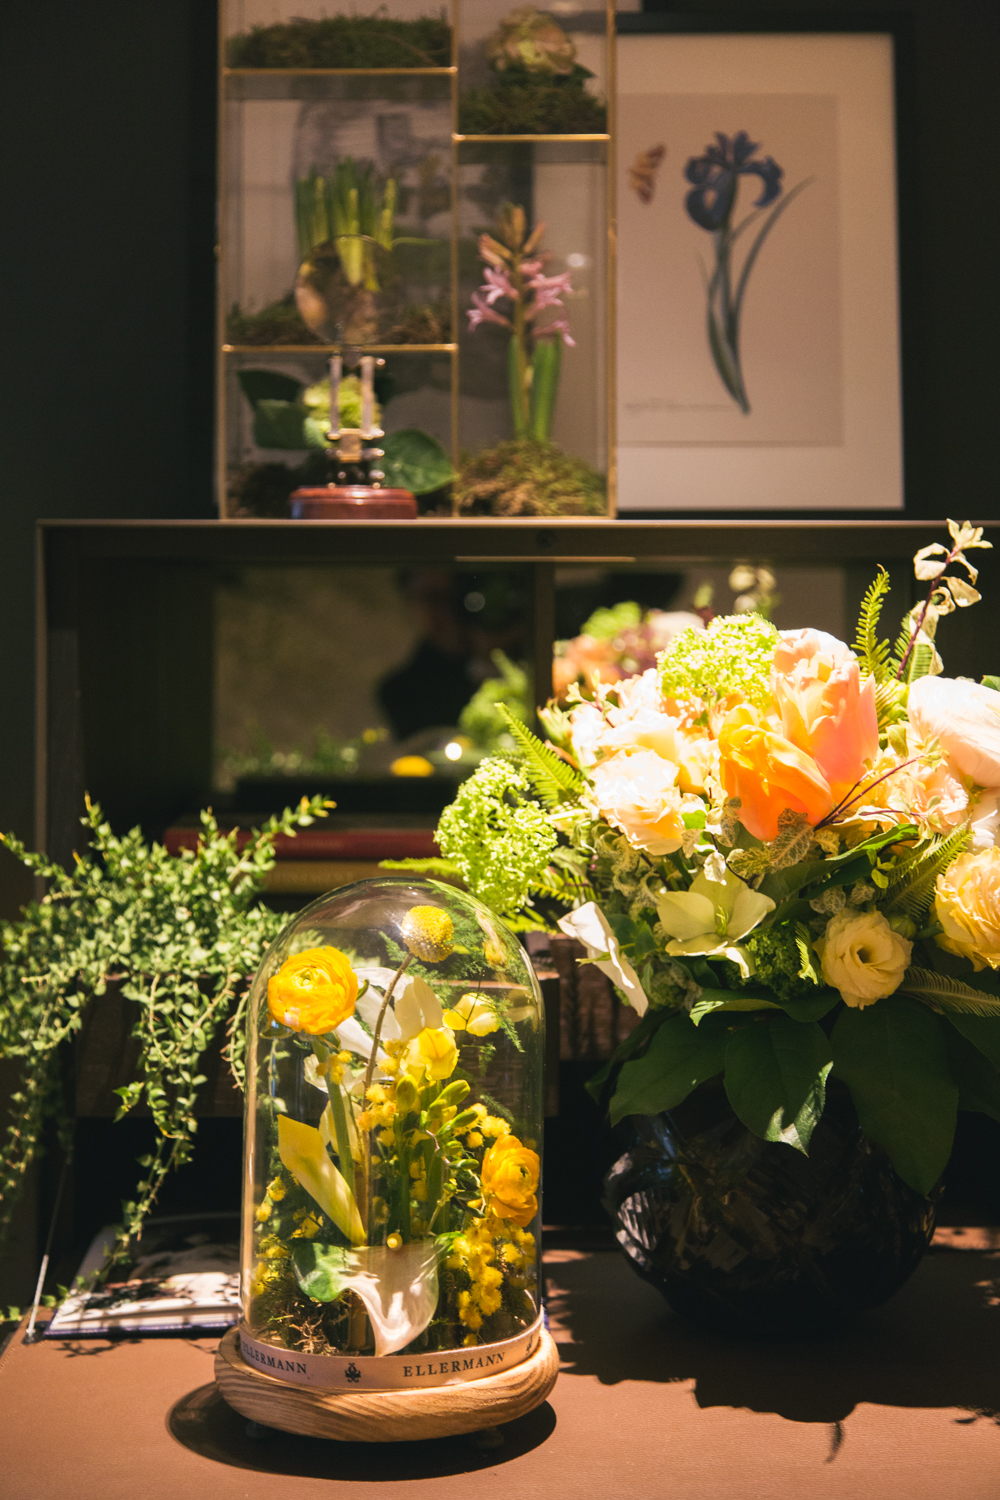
(394, 1123)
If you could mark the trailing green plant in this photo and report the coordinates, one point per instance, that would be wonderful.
(181, 935)
(483, 717)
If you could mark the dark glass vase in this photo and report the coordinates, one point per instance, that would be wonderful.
(750, 1236)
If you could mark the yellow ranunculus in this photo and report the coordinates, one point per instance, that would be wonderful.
(474, 1014)
(510, 1181)
(862, 957)
(967, 904)
(431, 1052)
(313, 991)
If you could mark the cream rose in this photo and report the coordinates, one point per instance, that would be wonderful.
(964, 717)
(636, 793)
(967, 904)
(862, 957)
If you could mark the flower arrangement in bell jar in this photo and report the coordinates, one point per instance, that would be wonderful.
(395, 1123)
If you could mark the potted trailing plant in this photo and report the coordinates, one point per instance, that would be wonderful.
(783, 853)
(181, 935)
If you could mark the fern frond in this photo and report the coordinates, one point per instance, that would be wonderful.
(948, 994)
(873, 653)
(890, 702)
(911, 883)
(553, 780)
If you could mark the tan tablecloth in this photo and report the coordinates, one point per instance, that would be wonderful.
(905, 1405)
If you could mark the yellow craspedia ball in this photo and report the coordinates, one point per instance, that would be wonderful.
(313, 991)
(429, 933)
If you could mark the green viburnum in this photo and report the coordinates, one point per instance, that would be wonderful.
(732, 656)
(182, 936)
(497, 835)
(779, 963)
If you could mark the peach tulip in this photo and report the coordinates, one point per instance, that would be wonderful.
(768, 774)
(825, 711)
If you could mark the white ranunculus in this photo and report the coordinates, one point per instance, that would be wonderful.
(710, 918)
(964, 717)
(591, 927)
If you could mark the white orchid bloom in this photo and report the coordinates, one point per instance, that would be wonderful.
(710, 919)
(589, 924)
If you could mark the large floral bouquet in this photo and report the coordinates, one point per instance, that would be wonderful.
(783, 852)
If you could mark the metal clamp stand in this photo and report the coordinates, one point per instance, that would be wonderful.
(355, 490)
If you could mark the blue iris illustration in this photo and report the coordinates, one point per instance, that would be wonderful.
(712, 205)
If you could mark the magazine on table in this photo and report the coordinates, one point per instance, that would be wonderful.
(184, 1276)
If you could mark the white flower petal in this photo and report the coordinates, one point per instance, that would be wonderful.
(749, 908)
(589, 924)
(686, 914)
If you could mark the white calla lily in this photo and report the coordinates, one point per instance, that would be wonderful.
(710, 919)
(589, 924)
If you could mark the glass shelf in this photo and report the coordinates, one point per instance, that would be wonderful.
(336, 348)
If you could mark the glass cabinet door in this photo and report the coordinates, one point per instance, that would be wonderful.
(433, 191)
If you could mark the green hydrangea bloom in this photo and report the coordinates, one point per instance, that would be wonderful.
(732, 656)
(497, 835)
(777, 962)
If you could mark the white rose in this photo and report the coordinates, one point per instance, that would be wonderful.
(862, 957)
(965, 719)
(586, 728)
(637, 793)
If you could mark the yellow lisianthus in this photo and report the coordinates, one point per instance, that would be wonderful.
(432, 1052)
(472, 1013)
(510, 1181)
(313, 991)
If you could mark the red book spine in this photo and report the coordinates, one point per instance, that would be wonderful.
(321, 843)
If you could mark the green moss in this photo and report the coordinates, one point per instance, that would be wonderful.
(523, 103)
(344, 42)
(524, 478)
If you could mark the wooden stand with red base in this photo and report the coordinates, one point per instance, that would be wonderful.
(354, 502)
(385, 1416)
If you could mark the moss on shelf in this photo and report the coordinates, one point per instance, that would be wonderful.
(377, 41)
(522, 477)
(523, 103)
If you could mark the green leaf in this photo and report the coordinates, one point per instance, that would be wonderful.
(267, 385)
(711, 1001)
(679, 1057)
(981, 1033)
(444, 869)
(415, 461)
(776, 1079)
(992, 682)
(280, 424)
(320, 1269)
(812, 1007)
(551, 777)
(893, 1057)
(977, 1078)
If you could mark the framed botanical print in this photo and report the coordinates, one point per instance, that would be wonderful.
(758, 287)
